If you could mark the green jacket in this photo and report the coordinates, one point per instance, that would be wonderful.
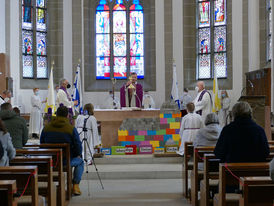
(16, 126)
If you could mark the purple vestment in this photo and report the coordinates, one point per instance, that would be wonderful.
(138, 98)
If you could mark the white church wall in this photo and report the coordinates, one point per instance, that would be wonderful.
(2, 26)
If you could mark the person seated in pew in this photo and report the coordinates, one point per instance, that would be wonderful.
(7, 146)
(59, 130)
(242, 140)
(271, 169)
(209, 135)
(15, 125)
(190, 124)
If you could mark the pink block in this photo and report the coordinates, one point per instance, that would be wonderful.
(145, 143)
(163, 120)
(142, 132)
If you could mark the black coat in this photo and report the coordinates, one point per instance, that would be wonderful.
(242, 141)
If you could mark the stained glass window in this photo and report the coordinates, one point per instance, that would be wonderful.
(211, 28)
(34, 39)
(120, 39)
(269, 30)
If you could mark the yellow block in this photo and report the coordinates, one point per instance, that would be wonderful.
(162, 115)
(176, 137)
(174, 125)
(122, 133)
(154, 143)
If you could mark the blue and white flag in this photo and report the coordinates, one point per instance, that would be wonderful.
(77, 91)
(174, 91)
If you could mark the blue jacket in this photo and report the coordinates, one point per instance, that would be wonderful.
(59, 130)
(242, 141)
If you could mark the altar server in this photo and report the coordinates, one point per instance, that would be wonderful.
(36, 121)
(190, 124)
(87, 127)
(203, 101)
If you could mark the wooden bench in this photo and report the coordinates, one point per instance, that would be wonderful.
(187, 166)
(257, 191)
(7, 188)
(57, 157)
(227, 179)
(23, 175)
(196, 174)
(44, 164)
(66, 157)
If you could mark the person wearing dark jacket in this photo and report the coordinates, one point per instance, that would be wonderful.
(242, 140)
(59, 130)
(15, 125)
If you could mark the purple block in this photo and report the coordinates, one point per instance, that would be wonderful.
(136, 143)
(145, 149)
(149, 138)
(142, 133)
(144, 143)
(163, 121)
(177, 131)
(132, 133)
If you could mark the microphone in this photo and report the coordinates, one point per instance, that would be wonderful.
(251, 84)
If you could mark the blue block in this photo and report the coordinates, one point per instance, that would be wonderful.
(124, 143)
(132, 133)
(167, 115)
(151, 132)
(167, 137)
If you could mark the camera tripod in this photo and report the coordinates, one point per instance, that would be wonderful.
(86, 145)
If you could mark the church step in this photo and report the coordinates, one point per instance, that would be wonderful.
(137, 159)
(135, 171)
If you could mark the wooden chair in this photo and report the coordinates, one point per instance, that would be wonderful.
(187, 166)
(57, 156)
(23, 175)
(257, 191)
(66, 155)
(7, 188)
(44, 164)
(227, 179)
(210, 179)
(196, 174)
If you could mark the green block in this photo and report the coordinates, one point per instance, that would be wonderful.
(169, 120)
(161, 132)
(118, 150)
(139, 138)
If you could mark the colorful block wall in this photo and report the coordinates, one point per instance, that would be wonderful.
(169, 129)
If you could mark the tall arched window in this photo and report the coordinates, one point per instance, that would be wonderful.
(34, 35)
(119, 39)
(269, 29)
(211, 39)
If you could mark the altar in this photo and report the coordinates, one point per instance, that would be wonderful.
(111, 119)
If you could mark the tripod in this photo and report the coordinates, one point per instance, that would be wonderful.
(86, 145)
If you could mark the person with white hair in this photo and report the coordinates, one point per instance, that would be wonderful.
(63, 96)
(242, 140)
(5, 97)
(203, 101)
(209, 135)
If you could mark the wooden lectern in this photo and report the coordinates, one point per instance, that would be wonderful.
(258, 95)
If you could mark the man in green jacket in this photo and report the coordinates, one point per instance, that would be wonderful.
(15, 125)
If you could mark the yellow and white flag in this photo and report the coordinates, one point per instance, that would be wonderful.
(51, 97)
(216, 98)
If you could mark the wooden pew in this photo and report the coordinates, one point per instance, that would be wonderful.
(66, 167)
(210, 179)
(257, 191)
(196, 174)
(7, 188)
(57, 157)
(227, 179)
(187, 166)
(44, 164)
(22, 174)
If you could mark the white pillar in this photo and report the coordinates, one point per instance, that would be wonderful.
(253, 35)
(272, 64)
(2, 27)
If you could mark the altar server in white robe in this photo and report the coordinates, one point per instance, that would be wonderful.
(36, 121)
(89, 122)
(225, 103)
(63, 96)
(148, 101)
(190, 124)
(203, 101)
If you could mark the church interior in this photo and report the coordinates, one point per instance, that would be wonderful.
(150, 77)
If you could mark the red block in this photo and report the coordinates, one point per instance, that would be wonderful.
(131, 149)
(159, 137)
(129, 138)
(170, 131)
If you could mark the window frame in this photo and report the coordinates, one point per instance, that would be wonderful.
(211, 28)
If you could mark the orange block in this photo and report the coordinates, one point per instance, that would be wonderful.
(130, 138)
(170, 131)
(176, 115)
(121, 138)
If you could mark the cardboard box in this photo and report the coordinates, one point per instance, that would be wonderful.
(145, 149)
(106, 151)
(131, 150)
(171, 149)
(118, 150)
(159, 150)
